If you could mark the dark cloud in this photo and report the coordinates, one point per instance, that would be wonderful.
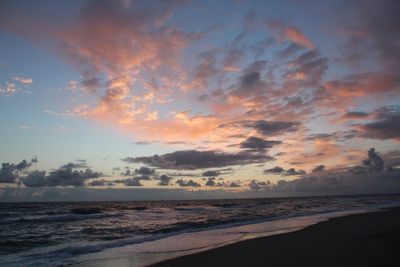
(211, 181)
(289, 172)
(373, 31)
(356, 114)
(319, 168)
(232, 58)
(386, 126)
(234, 184)
(76, 165)
(176, 143)
(211, 173)
(9, 172)
(143, 143)
(372, 164)
(101, 182)
(255, 143)
(126, 173)
(145, 170)
(374, 161)
(334, 184)
(91, 84)
(250, 80)
(334, 136)
(164, 180)
(392, 158)
(293, 171)
(289, 51)
(35, 179)
(60, 177)
(189, 183)
(273, 127)
(251, 84)
(23, 165)
(275, 169)
(193, 159)
(306, 70)
(132, 182)
(257, 185)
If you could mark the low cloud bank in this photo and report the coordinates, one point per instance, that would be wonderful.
(193, 159)
(10, 172)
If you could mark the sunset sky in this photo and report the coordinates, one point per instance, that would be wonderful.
(231, 95)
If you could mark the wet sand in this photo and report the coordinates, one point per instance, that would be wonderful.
(370, 239)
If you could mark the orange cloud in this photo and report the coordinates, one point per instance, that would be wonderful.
(285, 32)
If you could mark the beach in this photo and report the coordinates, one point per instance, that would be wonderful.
(208, 232)
(370, 239)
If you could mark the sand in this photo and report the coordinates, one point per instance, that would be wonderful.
(370, 239)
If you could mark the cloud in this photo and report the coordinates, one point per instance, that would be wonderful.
(371, 33)
(64, 176)
(273, 127)
(145, 171)
(164, 180)
(100, 182)
(355, 115)
(144, 143)
(275, 169)
(386, 125)
(392, 158)
(211, 181)
(132, 182)
(257, 185)
(290, 50)
(374, 161)
(193, 159)
(126, 173)
(9, 89)
(255, 143)
(234, 184)
(114, 40)
(250, 83)
(334, 136)
(285, 32)
(185, 183)
(293, 171)
(24, 80)
(75, 165)
(371, 178)
(363, 84)
(9, 172)
(334, 184)
(306, 71)
(319, 168)
(213, 173)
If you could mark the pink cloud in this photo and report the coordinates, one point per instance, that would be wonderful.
(285, 32)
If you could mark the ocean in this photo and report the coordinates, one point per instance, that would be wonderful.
(59, 234)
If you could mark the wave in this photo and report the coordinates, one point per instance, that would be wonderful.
(59, 218)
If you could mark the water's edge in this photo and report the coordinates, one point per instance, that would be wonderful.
(150, 258)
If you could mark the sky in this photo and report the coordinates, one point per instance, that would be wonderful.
(198, 99)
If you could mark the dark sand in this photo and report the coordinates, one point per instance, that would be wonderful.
(371, 239)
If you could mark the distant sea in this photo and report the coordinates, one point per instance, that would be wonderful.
(57, 234)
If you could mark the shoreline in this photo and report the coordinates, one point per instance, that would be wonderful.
(366, 239)
(180, 258)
